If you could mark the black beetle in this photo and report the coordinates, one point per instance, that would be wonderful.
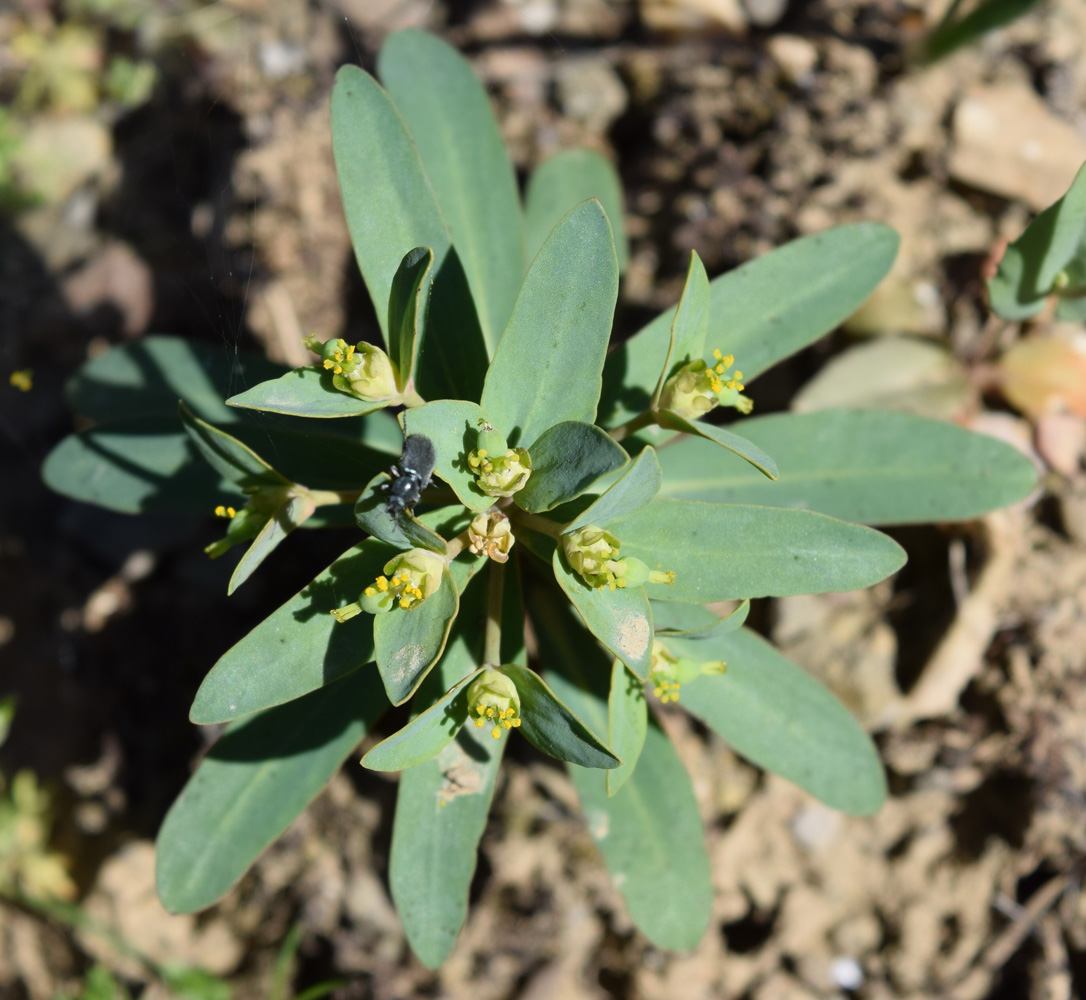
(412, 475)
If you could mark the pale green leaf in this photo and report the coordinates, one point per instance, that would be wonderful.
(566, 460)
(621, 619)
(627, 721)
(303, 392)
(453, 427)
(634, 490)
(722, 552)
(552, 727)
(780, 718)
(870, 466)
(406, 309)
(549, 359)
(763, 311)
(565, 180)
(408, 643)
(449, 116)
(746, 450)
(253, 783)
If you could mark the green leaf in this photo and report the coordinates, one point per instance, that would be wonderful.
(871, 466)
(442, 804)
(391, 209)
(441, 812)
(1032, 262)
(649, 832)
(627, 721)
(449, 116)
(405, 310)
(299, 647)
(550, 726)
(638, 485)
(147, 378)
(621, 619)
(408, 643)
(289, 516)
(780, 718)
(548, 362)
(730, 552)
(228, 456)
(690, 325)
(388, 201)
(403, 531)
(746, 450)
(426, 735)
(452, 425)
(303, 392)
(144, 465)
(253, 783)
(692, 621)
(763, 311)
(565, 180)
(566, 460)
(953, 32)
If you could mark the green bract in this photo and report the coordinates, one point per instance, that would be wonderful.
(595, 496)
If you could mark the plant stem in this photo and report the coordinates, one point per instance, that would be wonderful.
(544, 525)
(492, 642)
(628, 428)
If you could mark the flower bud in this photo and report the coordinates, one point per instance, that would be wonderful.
(361, 369)
(667, 673)
(697, 388)
(407, 581)
(500, 474)
(490, 534)
(493, 698)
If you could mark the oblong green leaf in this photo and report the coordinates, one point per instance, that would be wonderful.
(953, 32)
(449, 116)
(144, 465)
(634, 490)
(1029, 266)
(780, 718)
(441, 811)
(746, 450)
(388, 201)
(690, 325)
(870, 466)
(552, 727)
(452, 425)
(299, 647)
(441, 805)
(391, 209)
(303, 392)
(627, 722)
(621, 619)
(408, 643)
(650, 832)
(253, 783)
(228, 456)
(426, 735)
(295, 512)
(566, 460)
(723, 552)
(147, 377)
(406, 308)
(403, 531)
(548, 363)
(761, 312)
(565, 180)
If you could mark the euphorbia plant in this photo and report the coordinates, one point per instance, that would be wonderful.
(548, 528)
